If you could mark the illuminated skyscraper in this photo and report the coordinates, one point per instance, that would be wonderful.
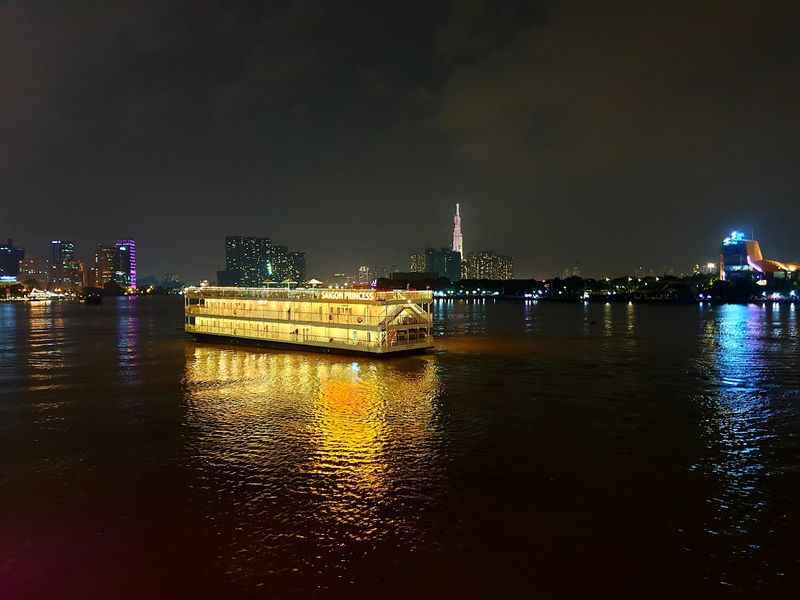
(488, 265)
(125, 264)
(10, 259)
(104, 258)
(458, 239)
(441, 262)
(255, 261)
(34, 269)
(416, 263)
(247, 261)
(279, 264)
(60, 252)
(297, 266)
(73, 275)
(62, 255)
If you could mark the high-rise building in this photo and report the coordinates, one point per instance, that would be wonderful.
(34, 269)
(10, 259)
(297, 266)
(247, 261)
(61, 252)
(90, 276)
(416, 263)
(255, 261)
(104, 259)
(279, 264)
(441, 262)
(451, 264)
(74, 275)
(458, 239)
(125, 264)
(488, 265)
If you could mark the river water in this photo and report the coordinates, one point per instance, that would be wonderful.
(543, 449)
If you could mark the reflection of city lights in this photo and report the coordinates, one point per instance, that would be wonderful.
(342, 425)
(738, 341)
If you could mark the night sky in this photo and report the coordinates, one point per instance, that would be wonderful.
(612, 133)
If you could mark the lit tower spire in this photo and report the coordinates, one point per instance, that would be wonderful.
(458, 239)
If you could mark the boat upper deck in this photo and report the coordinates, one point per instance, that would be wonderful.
(327, 295)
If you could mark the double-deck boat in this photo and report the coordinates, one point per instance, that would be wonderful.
(331, 319)
(41, 296)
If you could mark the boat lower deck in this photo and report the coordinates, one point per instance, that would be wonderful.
(330, 347)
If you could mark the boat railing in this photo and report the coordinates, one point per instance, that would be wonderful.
(310, 294)
(391, 340)
(302, 316)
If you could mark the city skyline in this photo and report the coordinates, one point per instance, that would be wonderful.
(612, 141)
(63, 268)
(89, 257)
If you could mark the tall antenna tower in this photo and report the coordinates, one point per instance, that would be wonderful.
(458, 239)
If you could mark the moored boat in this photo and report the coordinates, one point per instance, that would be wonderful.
(353, 320)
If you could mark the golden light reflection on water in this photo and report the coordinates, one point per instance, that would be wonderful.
(345, 432)
(45, 341)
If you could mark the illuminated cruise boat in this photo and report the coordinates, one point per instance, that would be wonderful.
(355, 320)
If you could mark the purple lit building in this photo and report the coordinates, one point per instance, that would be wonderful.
(125, 264)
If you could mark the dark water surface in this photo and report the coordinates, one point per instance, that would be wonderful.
(545, 450)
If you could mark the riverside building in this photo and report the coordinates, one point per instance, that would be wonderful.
(10, 260)
(125, 264)
(741, 258)
(488, 265)
(441, 262)
(62, 264)
(256, 261)
(360, 320)
(104, 258)
(34, 270)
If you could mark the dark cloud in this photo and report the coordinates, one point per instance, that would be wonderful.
(613, 133)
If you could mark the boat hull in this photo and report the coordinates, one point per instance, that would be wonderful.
(328, 348)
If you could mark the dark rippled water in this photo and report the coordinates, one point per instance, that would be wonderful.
(545, 450)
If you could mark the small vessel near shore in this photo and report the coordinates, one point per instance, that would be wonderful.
(92, 297)
(329, 319)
